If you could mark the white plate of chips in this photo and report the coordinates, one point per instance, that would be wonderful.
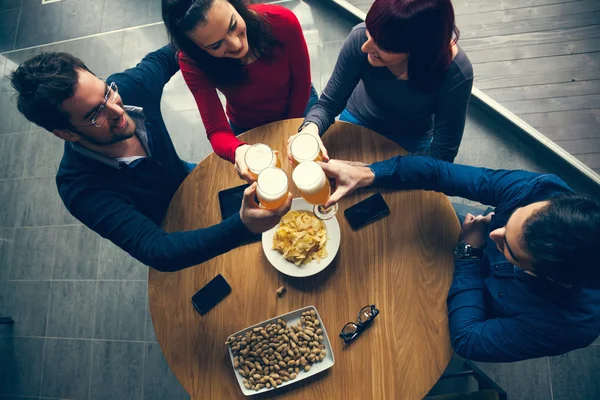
(332, 245)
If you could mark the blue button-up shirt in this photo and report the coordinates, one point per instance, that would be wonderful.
(497, 312)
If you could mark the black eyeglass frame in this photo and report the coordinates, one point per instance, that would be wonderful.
(361, 326)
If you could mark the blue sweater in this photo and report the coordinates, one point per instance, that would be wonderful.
(126, 203)
(497, 312)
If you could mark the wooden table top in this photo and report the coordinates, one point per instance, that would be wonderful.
(403, 264)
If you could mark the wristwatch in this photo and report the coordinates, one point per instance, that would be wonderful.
(465, 250)
(304, 125)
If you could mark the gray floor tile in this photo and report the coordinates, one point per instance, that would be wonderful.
(9, 21)
(67, 369)
(12, 120)
(64, 216)
(105, 57)
(3, 293)
(159, 381)
(9, 4)
(71, 309)
(575, 375)
(118, 264)
(177, 96)
(3, 83)
(318, 16)
(9, 193)
(27, 303)
(149, 334)
(76, 253)
(155, 12)
(79, 18)
(117, 370)
(120, 310)
(527, 380)
(13, 60)
(188, 134)
(139, 42)
(33, 253)
(38, 202)
(21, 365)
(38, 24)
(44, 152)
(119, 14)
(12, 154)
(7, 240)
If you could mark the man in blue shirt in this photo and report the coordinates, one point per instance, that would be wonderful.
(120, 169)
(526, 279)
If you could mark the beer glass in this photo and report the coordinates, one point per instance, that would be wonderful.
(314, 186)
(305, 147)
(272, 187)
(258, 157)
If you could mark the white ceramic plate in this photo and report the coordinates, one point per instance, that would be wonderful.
(289, 268)
(290, 318)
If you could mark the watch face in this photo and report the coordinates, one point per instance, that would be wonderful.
(461, 250)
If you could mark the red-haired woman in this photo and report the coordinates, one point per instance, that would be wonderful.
(401, 74)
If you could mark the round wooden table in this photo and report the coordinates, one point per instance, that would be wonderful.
(403, 264)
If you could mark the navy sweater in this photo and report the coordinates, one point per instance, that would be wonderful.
(126, 203)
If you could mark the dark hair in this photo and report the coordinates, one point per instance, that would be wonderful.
(421, 28)
(563, 238)
(43, 82)
(181, 16)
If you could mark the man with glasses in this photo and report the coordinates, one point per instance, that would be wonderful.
(527, 278)
(119, 169)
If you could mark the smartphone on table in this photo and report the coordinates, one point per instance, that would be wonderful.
(211, 294)
(230, 201)
(367, 211)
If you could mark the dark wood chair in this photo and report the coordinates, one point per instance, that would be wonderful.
(487, 388)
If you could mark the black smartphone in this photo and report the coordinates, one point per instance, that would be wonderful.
(369, 210)
(230, 201)
(212, 293)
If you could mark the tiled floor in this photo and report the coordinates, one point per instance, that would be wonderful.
(82, 329)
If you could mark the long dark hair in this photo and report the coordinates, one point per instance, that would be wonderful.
(421, 28)
(181, 16)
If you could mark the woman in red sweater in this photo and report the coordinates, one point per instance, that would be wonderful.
(254, 54)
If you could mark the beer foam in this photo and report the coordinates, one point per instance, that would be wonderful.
(259, 157)
(305, 147)
(309, 177)
(272, 182)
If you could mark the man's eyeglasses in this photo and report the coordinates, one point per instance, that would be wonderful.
(100, 116)
(351, 330)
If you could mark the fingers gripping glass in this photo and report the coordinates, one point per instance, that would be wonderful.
(351, 330)
(99, 117)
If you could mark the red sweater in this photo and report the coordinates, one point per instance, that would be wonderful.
(272, 92)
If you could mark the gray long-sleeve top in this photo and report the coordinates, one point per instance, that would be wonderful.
(393, 107)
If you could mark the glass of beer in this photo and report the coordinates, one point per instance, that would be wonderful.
(305, 147)
(258, 157)
(314, 186)
(272, 187)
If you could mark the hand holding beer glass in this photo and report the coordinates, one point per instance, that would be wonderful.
(258, 157)
(304, 147)
(272, 188)
(314, 186)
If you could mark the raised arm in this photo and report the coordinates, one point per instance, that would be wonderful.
(487, 186)
(492, 187)
(143, 84)
(344, 79)
(449, 117)
(114, 217)
(219, 133)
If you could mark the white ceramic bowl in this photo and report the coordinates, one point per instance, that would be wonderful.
(289, 268)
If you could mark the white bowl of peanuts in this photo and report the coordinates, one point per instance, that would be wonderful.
(280, 351)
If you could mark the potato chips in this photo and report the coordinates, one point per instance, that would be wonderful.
(301, 237)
